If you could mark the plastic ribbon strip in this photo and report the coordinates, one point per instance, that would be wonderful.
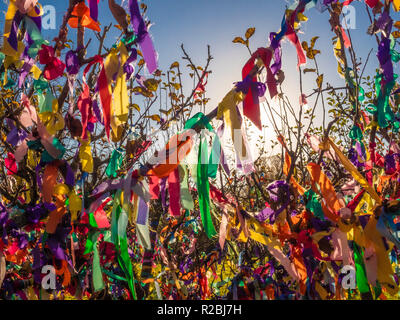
(143, 37)
(354, 172)
(227, 110)
(81, 15)
(251, 104)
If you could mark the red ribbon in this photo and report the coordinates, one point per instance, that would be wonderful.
(105, 95)
(293, 38)
(85, 102)
(201, 87)
(174, 190)
(154, 187)
(11, 164)
(54, 66)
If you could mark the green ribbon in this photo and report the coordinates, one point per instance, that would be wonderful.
(46, 157)
(119, 222)
(207, 167)
(92, 220)
(395, 56)
(203, 188)
(356, 134)
(128, 40)
(383, 109)
(113, 276)
(377, 290)
(361, 274)
(349, 76)
(36, 37)
(115, 163)
(40, 85)
(46, 102)
(186, 197)
(201, 120)
(2, 57)
(91, 246)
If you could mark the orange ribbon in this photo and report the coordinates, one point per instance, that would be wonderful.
(81, 14)
(56, 215)
(328, 192)
(176, 149)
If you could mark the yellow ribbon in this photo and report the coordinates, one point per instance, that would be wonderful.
(75, 204)
(85, 154)
(53, 120)
(338, 52)
(227, 111)
(396, 5)
(119, 108)
(385, 271)
(120, 95)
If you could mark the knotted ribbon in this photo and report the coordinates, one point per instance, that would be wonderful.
(143, 37)
(252, 89)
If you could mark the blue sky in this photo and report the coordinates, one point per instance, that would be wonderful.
(216, 22)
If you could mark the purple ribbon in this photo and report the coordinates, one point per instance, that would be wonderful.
(390, 163)
(72, 62)
(107, 186)
(56, 249)
(21, 237)
(163, 187)
(12, 39)
(279, 193)
(258, 88)
(3, 221)
(276, 46)
(143, 37)
(15, 136)
(385, 59)
(28, 62)
(94, 9)
(34, 213)
(353, 156)
(69, 175)
(97, 112)
(143, 211)
(385, 23)
(129, 69)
